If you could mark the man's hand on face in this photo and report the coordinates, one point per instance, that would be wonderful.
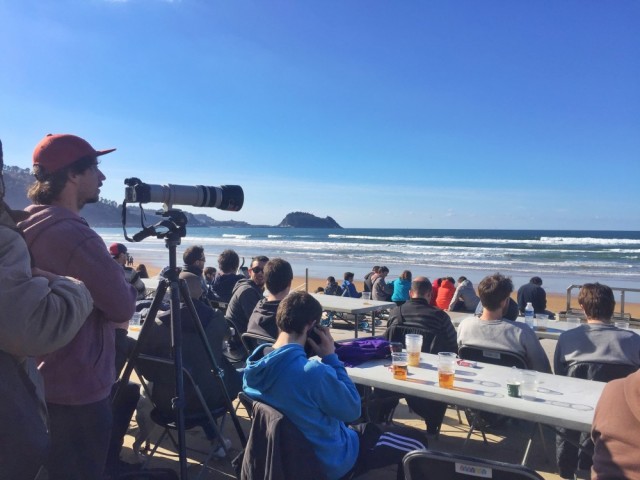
(326, 345)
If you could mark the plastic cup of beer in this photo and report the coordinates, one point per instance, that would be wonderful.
(446, 369)
(413, 341)
(399, 365)
(366, 296)
(135, 322)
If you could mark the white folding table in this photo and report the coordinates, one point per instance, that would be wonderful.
(560, 401)
(353, 306)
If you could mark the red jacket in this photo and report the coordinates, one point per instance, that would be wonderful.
(445, 294)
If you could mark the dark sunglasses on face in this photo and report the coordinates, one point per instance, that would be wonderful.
(257, 269)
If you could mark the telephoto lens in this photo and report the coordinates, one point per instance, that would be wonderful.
(224, 197)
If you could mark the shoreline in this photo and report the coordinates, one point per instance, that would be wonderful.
(556, 301)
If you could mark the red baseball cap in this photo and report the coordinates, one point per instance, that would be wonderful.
(61, 150)
(116, 249)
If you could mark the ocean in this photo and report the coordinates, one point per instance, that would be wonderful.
(560, 257)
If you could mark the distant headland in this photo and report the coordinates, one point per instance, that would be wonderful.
(307, 220)
(107, 213)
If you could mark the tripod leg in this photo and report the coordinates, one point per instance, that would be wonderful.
(153, 311)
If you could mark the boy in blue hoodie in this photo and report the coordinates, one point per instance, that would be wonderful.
(318, 396)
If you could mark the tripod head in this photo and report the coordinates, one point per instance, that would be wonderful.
(172, 229)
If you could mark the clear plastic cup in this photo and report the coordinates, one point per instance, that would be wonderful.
(529, 385)
(413, 342)
(399, 365)
(446, 369)
(366, 296)
(540, 322)
(135, 322)
(622, 324)
(573, 321)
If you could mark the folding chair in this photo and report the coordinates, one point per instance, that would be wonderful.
(431, 465)
(236, 352)
(161, 373)
(252, 340)
(575, 449)
(506, 359)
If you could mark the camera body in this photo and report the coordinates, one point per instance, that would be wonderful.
(224, 197)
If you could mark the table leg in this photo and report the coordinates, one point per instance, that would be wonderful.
(357, 322)
(373, 324)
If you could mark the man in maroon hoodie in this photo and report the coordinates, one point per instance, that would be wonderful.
(78, 377)
(615, 431)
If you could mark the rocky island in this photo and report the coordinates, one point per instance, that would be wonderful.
(307, 220)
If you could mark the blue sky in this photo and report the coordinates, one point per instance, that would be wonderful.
(417, 114)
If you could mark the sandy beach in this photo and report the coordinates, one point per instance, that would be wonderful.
(556, 301)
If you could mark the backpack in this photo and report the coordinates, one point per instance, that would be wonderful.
(360, 350)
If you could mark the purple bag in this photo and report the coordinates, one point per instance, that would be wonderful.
(355, 352)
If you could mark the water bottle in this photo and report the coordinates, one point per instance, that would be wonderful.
(528, 314)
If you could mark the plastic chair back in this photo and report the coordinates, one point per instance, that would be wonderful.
(396, 333)
(495, 357)
(600, 372)
(252, 340)
(431, 465)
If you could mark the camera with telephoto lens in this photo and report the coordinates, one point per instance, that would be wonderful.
(224, 197)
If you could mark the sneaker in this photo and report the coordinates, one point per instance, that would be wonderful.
(220, 451)
(363, 326)
(379, 322)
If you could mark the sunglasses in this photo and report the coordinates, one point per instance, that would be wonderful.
(257, 269)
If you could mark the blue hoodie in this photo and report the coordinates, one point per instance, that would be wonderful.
(317, 396)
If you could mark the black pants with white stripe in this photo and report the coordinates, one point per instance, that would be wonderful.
(383, 445)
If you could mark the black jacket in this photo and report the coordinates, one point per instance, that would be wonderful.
(533, 293)
(245, 297)
(222, 286)
(263, 318)
(418, 313)
(277, 450)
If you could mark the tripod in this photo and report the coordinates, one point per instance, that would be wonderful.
(175, 226)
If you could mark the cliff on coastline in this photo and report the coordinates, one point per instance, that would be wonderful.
(307, 220)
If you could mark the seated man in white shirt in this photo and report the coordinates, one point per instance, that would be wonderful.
(493, 331)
